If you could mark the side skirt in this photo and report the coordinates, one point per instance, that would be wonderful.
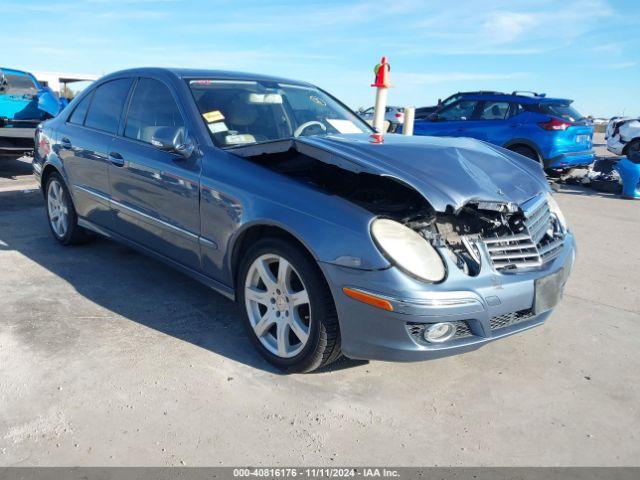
(208, 281)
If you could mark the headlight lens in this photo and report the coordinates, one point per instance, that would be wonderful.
(555, 209)
(408, 250)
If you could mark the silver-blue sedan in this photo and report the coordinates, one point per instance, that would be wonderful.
(334, 240)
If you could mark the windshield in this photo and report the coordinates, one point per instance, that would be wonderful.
(562, 110)
(239, 112)
(17, 84)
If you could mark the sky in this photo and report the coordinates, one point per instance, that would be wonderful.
(586, 50)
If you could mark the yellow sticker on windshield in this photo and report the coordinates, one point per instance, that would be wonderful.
(214, 116)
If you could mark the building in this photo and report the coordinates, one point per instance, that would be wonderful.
(58, 80)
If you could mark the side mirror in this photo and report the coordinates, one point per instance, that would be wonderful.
(434, 117)
(173, 139)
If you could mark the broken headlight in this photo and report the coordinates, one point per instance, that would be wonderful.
(555, 210)
(408, 250)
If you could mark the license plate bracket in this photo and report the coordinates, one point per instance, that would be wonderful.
(548, 291)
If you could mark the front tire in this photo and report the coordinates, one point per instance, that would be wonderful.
(61, 214)
(287, 307)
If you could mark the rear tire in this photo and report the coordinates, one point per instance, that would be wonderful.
(287, 306)
(61, 214)
(526, 152)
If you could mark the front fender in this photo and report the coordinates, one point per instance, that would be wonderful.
(238, 195)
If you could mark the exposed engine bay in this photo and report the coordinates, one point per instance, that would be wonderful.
(387, 197)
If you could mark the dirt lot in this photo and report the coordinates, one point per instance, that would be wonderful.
(110, 358)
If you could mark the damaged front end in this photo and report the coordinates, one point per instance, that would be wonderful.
(513, 236)
(468, 266)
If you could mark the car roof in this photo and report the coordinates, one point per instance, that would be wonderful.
(14, 71)
(186, 73)
(514, 97)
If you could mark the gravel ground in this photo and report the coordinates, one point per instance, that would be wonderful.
(110, 358)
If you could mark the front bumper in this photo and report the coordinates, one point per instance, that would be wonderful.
(570, 160)
(615, 145)
(492, 304)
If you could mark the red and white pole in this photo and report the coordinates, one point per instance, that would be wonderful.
(381, 84)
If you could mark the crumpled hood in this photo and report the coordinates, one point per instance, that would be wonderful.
(448, 172)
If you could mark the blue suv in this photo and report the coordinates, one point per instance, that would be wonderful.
(548, 130)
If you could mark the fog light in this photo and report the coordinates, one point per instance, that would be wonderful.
(439, 332)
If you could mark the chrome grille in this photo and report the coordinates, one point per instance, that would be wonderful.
(533, 247)
(537, 220)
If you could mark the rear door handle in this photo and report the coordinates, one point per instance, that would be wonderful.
(116, 159)
(66, 143)
(516, 125)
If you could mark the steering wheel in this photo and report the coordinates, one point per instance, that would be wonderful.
(306, 125)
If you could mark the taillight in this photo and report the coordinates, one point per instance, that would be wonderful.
(555, 124)
(42, 143)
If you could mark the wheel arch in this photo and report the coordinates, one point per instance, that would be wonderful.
(53, 165)
(524, 142)
(257, 231)
(625, 149)
(47, 171)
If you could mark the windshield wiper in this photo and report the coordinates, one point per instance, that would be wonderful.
(264, 142)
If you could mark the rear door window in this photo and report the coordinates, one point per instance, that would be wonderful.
(462, 110)
(494, 110)
(106, 107)
(80, 112)
(562, 110)
(516, 109)
(152, 107)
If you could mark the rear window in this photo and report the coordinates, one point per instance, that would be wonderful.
(562, 110)
(17, 84)
(106, 106)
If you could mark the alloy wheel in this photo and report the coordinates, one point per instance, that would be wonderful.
(278, 306)
(58, 208)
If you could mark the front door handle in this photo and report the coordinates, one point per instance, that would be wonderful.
(516, 125)
(116, 159)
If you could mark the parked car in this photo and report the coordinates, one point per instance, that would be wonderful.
(332, 238)
(424, 112)
(548, 130)
(623, 135)
(24, 103)
(393, 115)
